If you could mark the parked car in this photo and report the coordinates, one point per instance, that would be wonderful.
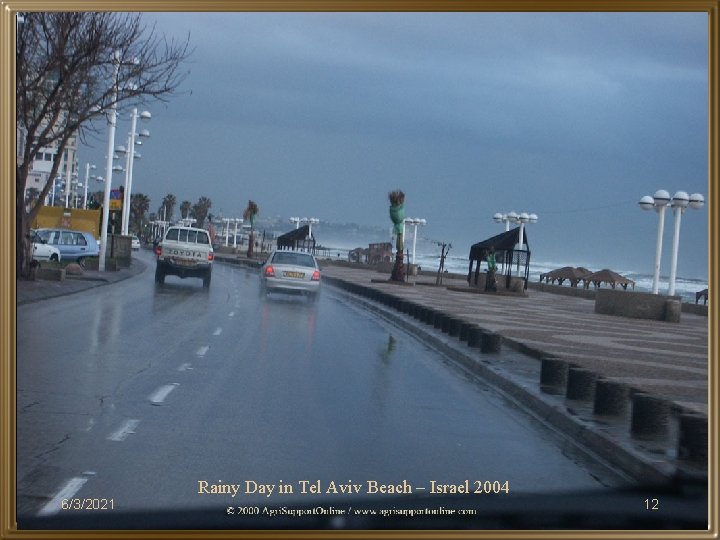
(135, 242)
(291, 272)
(43, 251)
(73, 245)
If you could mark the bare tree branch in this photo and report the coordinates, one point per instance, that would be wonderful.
(65, 67)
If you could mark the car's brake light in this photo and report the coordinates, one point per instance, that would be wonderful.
(316, 275)
(158, 251)
(269, 272)
(211, 256)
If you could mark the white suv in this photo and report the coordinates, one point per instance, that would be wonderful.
(184, 252)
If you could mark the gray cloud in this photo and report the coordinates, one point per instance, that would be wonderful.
(574, 116)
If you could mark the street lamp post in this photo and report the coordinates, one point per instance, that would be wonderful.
(679, 203)
(522, 219)
(296, 221)
(503, 218)
(310, 222)
(415, 222)
(145, 116)
(227, 230)
(659, 202)
(237, 221)
(109, 163)
(88, 166)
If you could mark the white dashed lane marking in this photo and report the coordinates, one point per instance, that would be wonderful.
(68, 490)
(202, 351)
(126, 429)
(217, 332)
(161, 393)
(184, 367)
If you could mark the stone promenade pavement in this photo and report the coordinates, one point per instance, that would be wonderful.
(666, 359)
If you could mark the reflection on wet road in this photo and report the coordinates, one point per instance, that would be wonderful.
(139, 392)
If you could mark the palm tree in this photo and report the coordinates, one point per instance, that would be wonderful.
(168, 203)
(397, 215)
(185, 208)
(201, 209)
(139, 205)
(249, 214)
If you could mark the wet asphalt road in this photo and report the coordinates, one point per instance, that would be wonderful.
(139, 393)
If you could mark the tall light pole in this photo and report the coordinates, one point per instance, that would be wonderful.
(296, 221)
(659, 202)
(237, 221)
(227, 229)
(679, 203)
(415, 222)
(522, 219)
(505, 218)
(88, 166)
(112, 118)
(145, 116)
(310, 222)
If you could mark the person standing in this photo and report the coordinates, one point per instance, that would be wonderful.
(490, 282)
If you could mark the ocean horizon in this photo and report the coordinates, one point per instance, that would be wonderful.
(460, 264)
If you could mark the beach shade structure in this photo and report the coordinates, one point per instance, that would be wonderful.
(506, 255)
(608, 277)
(297, 239)
(569, 273)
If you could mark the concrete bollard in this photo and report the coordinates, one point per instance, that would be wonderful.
(429, 316)
(490, 342)
(553, 375)
(439, 319)
(474, 336)
(611, 398)
(454, 326)
(464, 328)
(650, 416)
(446, 324)
(410, 307)
(693, 438)
(580, 384)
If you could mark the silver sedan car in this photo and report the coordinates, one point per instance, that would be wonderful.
(294, 272)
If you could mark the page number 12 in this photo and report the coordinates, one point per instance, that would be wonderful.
(652, 504)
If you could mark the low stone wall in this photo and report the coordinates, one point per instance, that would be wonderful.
(560, 289)
(638, 305)
(50, 274)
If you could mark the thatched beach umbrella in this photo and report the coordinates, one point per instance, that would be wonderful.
(573, 275)
(606, 276)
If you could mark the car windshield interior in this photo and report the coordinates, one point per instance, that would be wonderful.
(297, 259)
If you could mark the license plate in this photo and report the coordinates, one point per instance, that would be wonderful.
(298, 275)
(184, 262)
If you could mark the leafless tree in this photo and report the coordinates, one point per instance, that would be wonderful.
(66, 84)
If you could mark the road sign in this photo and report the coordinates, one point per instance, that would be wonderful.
(116, 199)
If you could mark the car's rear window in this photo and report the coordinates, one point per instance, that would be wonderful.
(188, 235)
(298, 259)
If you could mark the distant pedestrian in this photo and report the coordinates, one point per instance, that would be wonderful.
(491, 282)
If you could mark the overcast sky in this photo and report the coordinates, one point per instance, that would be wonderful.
(571, 116)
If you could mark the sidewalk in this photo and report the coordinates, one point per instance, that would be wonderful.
(658, 363)
(40, 289)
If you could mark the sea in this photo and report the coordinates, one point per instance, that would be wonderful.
(459, 264)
